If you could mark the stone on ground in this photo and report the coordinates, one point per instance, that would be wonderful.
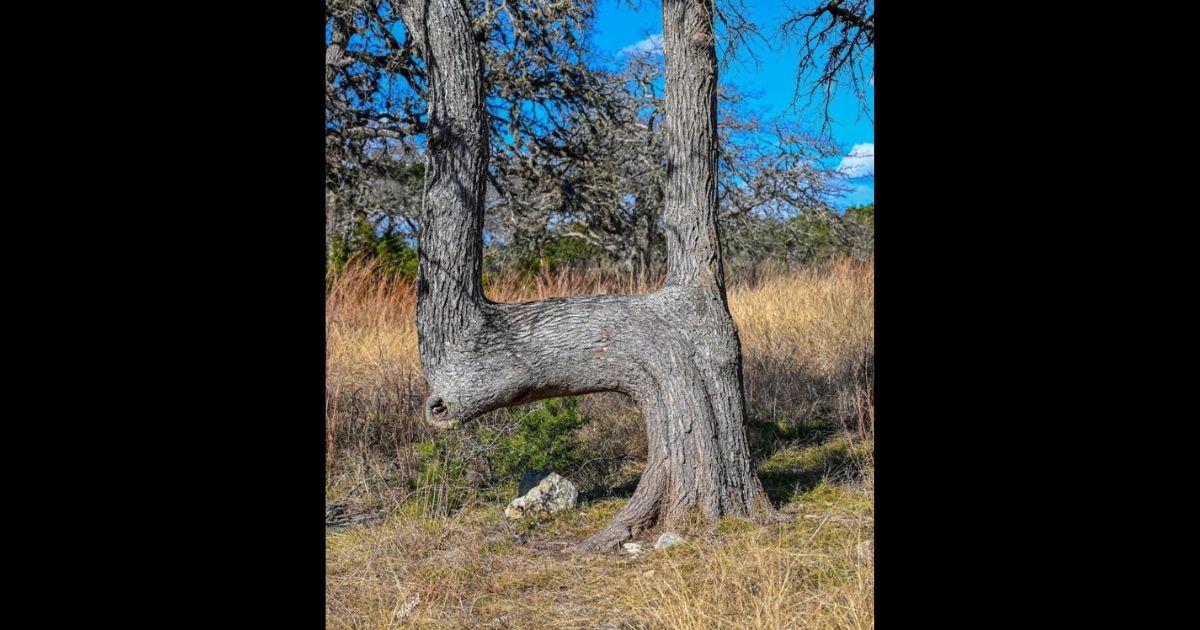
(552, 494)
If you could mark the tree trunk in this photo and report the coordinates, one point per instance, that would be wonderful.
(674, 352)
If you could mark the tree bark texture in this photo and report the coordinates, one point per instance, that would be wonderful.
(675, 352)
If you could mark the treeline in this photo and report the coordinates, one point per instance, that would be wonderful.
(748, 242)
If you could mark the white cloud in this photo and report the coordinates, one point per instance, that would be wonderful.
(860, 162)
(856, 195)
(651, 45)
(860, 195)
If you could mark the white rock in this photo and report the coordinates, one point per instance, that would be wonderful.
(633, 548)
(552, 494)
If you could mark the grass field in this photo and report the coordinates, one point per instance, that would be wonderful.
(438, 552)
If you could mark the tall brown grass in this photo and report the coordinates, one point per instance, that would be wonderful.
(807, 346)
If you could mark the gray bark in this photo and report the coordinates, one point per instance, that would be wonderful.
(675, 352)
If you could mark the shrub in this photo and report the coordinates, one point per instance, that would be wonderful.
(385, 246)
(543, 439)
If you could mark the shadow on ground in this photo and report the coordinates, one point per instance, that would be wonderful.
(793, 459)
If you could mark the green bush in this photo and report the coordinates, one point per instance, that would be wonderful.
(543, 439)
(389, 249)
(863, 215)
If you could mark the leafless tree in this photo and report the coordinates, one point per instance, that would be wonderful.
(837, 41)
(772, 175)
(605, 185)
(607, 188)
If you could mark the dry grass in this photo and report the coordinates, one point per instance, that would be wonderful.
(473, 570)
(808, 351)
(807, 344)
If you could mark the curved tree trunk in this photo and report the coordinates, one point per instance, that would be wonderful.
(674, 352)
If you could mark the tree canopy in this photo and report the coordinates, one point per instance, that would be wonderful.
(577, 161)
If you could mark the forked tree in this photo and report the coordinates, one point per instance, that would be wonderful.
(675, 352)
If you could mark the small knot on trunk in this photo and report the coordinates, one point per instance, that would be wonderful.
(437, 413)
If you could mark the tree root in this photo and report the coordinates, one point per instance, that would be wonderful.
(607, 540)
(641, 516)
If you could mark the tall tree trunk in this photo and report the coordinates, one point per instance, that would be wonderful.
(674, 352)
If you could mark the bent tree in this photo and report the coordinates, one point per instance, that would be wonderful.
(675, 352)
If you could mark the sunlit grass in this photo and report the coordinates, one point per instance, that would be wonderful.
(808, 349)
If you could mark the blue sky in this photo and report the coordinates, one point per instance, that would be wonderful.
(772, 81)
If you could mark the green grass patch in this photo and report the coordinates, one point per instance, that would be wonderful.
(791, 472)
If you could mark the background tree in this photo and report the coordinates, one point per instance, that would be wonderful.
(837, 42)
(373, 110)
(609, 187)
(774, 187)
(538, 70)
(577, 165)
(605, 188)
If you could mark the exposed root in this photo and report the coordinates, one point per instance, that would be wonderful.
(607, 540)
(642, 514)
